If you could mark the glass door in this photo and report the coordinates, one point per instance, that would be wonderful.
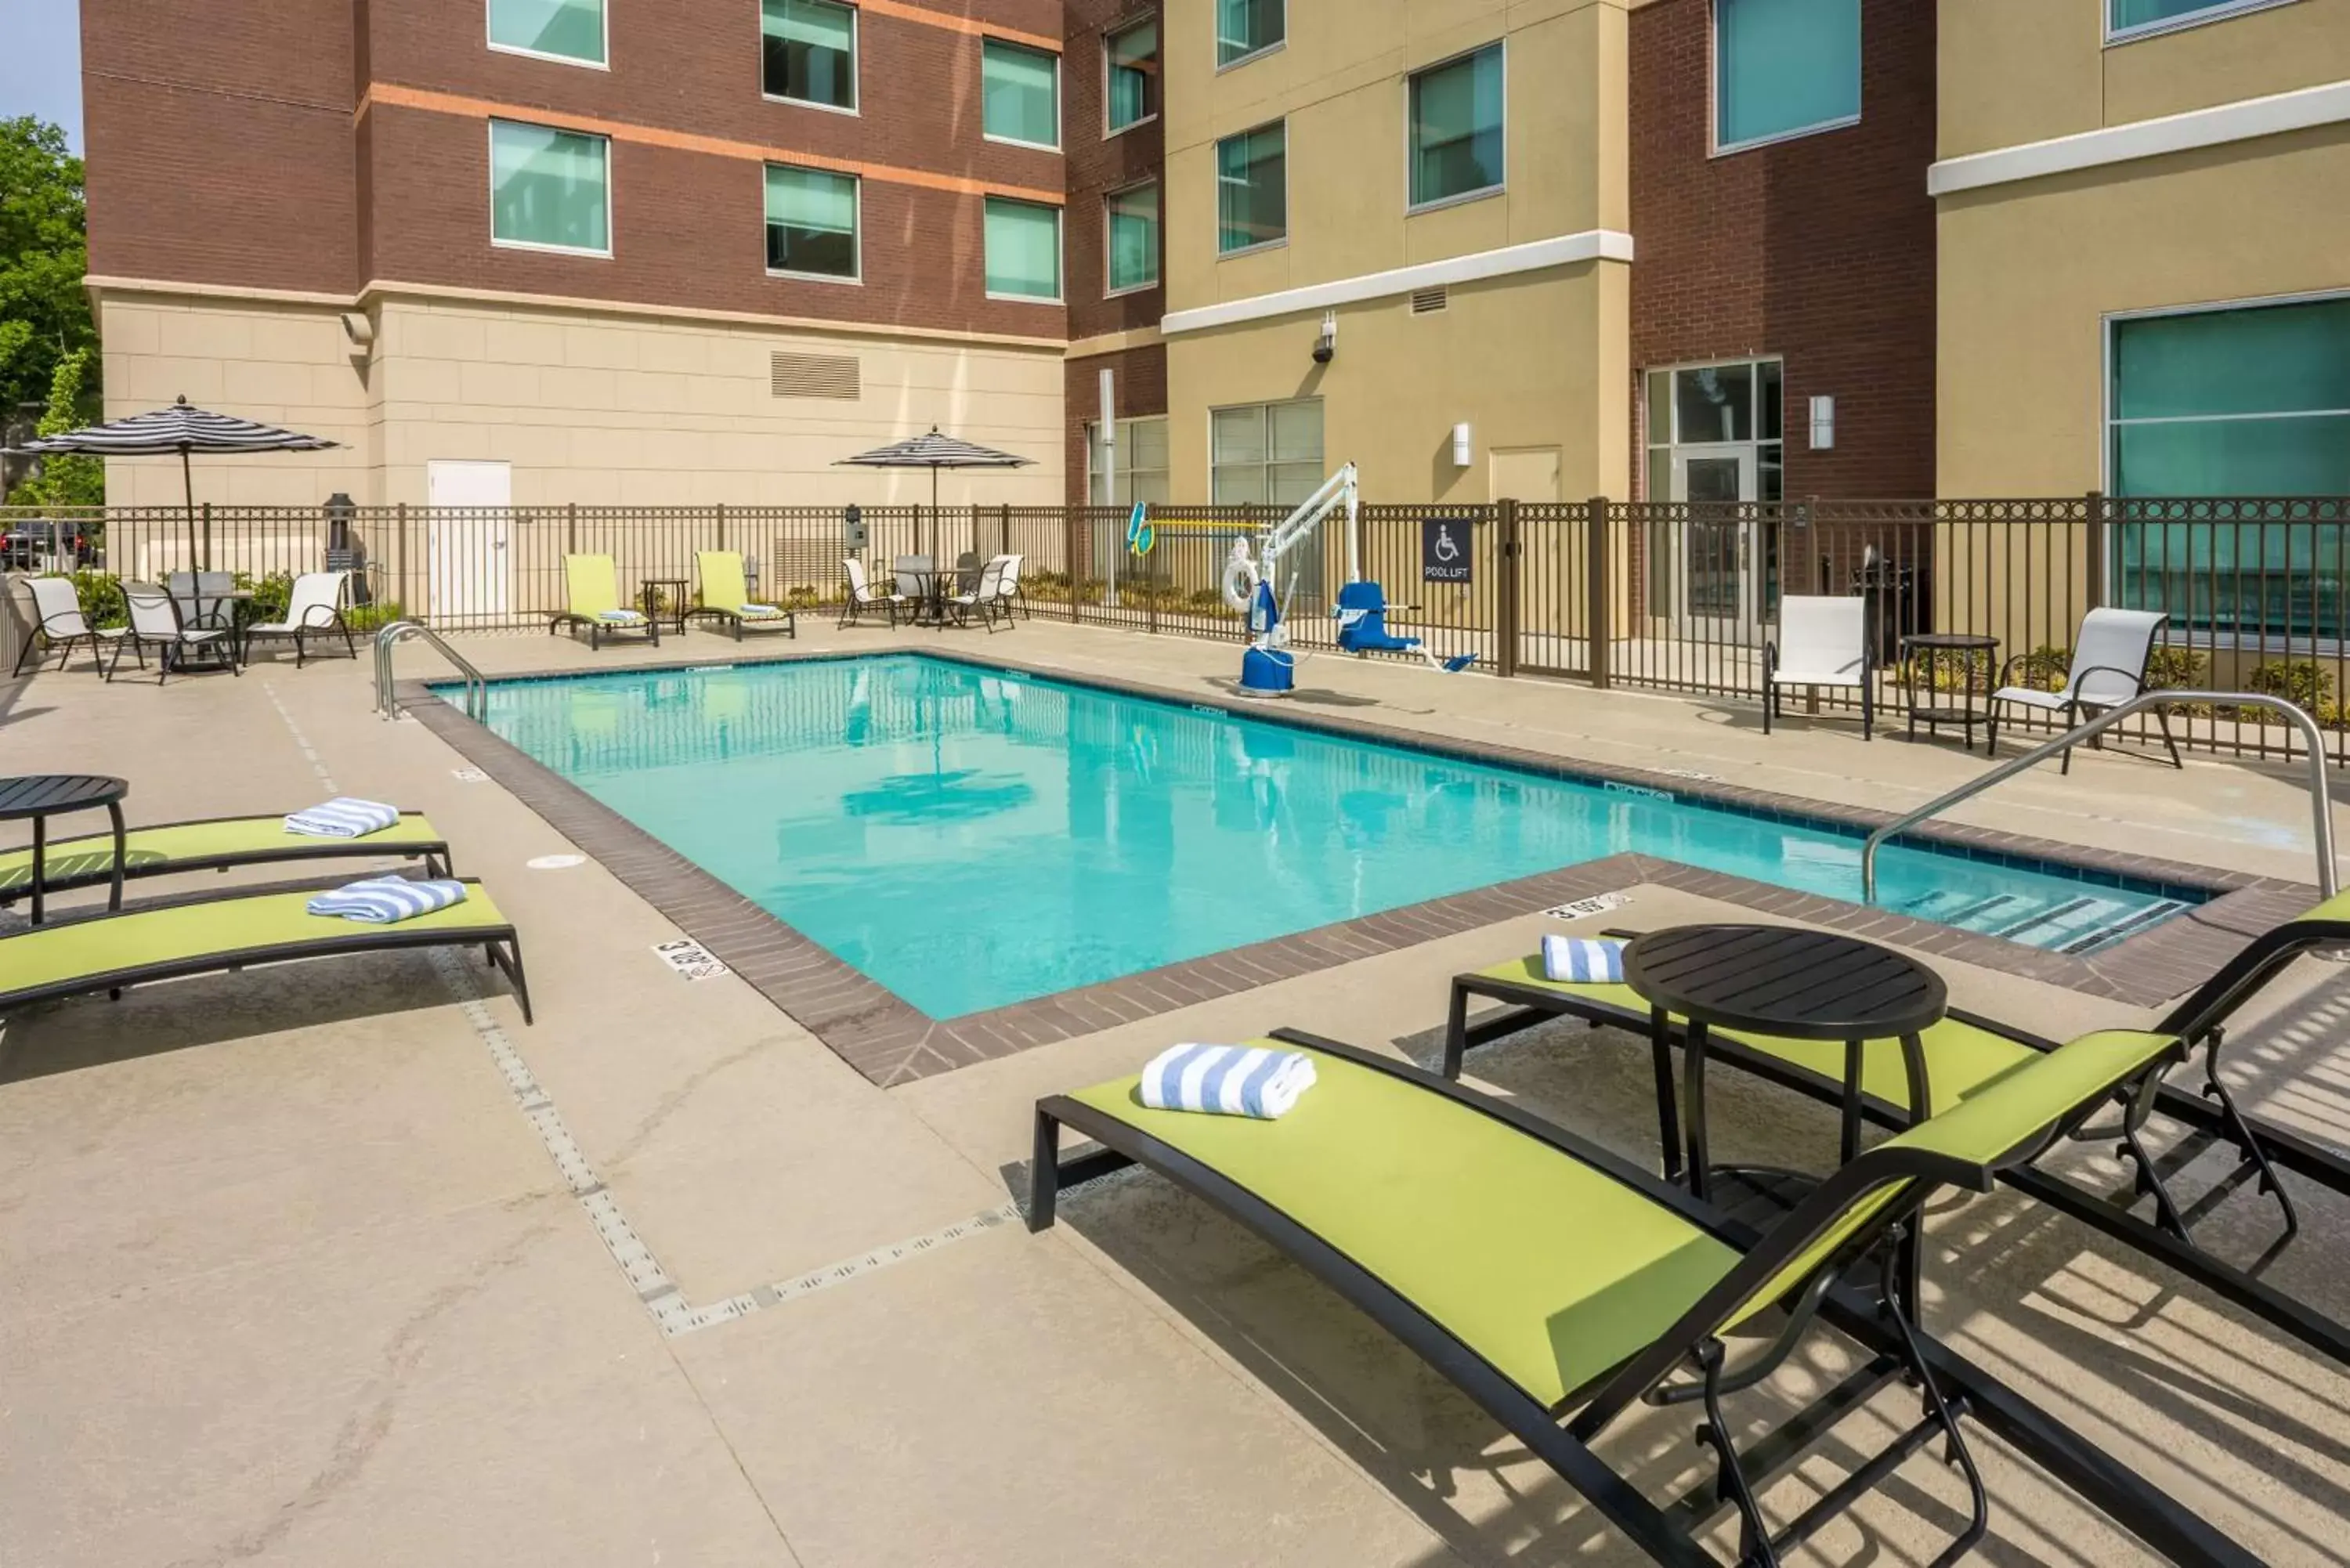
(1721, 563)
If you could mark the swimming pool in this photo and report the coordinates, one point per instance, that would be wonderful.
(970, 837)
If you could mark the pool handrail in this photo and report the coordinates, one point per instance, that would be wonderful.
(477, 686)
(2321, 803)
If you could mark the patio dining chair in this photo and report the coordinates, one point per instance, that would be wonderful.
(57, 609)
(2107, 669)
(1008, 588)
(196, 595)
(1821, 641)
(313, 608)
(864, 596)
(982, 598)
(155, 622)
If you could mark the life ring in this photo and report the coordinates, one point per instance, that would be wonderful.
(1240, 578)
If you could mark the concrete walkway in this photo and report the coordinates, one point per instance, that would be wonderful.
(287, 1274)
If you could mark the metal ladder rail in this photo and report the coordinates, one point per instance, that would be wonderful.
(2321, 804)
(477, 686)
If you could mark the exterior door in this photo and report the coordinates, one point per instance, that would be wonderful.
(468, 562)
(1719, 567)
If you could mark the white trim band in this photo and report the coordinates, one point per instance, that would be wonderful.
(2328, 104)
(1561, 250)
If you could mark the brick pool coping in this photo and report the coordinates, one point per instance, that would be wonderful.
(891, 1042)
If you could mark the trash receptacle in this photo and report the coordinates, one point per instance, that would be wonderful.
(1894, 610)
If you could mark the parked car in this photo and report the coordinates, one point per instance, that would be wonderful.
(46, 544)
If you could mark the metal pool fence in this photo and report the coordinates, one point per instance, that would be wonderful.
(1661, 596)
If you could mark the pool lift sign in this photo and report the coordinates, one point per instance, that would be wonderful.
(1444, 550)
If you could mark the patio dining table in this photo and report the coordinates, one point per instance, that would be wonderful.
(935, 585)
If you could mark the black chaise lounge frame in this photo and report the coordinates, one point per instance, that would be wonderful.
(1951, 1387)
(433, 852)
(2198, 1020)
(500, 945)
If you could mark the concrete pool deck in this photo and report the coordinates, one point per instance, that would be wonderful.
(292, 1277)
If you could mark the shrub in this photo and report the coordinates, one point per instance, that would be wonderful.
(101, 593)
(271, 595)
(367, 619)
(2304, 682)
(2167, 668)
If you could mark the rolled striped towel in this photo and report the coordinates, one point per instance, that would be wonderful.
(1226, 1080)
(619, 616)
(757, 612)
(343, 817)
(1583, 959)
(387, 900)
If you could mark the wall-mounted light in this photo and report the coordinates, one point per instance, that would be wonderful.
(1460, 444)
(1326, 347)
(1823, 424)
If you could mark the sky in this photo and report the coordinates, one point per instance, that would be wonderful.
(40, 62)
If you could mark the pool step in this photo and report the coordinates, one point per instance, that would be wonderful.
(2076, 924)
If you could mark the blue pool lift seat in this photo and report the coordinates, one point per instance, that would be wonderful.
(1362, 615)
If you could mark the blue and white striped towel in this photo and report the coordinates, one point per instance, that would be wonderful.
(757, 612)
(387, 900)
(1226, 1080)
(1582, 959)
(619, 616)
(343, 817)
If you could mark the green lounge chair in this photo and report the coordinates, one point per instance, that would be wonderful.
(113, 952)
(591, 590)
(212, 844)
(1555, 1283)
(726, 596)
(1968, 1051)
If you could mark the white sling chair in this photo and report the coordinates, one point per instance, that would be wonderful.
(2109, 660)
(1821, 642)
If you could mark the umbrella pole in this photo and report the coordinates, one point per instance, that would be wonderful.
(934, 512)
(188, 479)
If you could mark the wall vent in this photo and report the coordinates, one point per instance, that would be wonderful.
(1429, 301)
(813, 376)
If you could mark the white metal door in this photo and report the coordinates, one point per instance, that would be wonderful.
(1720, 553)
(469, 565)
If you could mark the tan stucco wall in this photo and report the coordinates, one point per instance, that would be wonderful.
(1538, 360)
(588, 407)
(1340, 82)
(2028, 271)
(2014, 71)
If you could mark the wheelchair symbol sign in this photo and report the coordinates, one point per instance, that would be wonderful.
(1444, 552)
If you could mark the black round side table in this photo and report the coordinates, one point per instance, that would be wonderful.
(1790, 982)
(41, 796)
(1920, 649)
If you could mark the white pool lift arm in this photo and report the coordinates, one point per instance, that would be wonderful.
(1339, 490)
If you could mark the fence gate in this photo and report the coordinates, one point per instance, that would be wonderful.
(469, 564)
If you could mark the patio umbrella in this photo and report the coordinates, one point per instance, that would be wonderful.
(934, 452)
(183, 428)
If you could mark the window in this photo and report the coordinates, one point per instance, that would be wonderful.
(548, 188)
(811, 222)
(1245, 27)
(1023, 249)
(808, 52)
(1140, 472)
(1718, 405)
(2249, 403)
(1267, 452)
(1132, 56)
(1133, 238)
(1019, 94)
(2127, 19)
(559, 29)
(1783, 67)
(1252, 189)
(1456, 127)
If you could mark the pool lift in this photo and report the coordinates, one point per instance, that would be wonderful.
(1268, 668)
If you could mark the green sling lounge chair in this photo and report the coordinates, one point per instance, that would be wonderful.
(726, 596)
(213, 845)
(113, 952)
(1968, 1051)
(1558, 1285)
(592, 594)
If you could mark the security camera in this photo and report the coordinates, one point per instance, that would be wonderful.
(1326, 347)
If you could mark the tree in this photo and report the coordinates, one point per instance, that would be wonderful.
(67, 479)
(43, 252)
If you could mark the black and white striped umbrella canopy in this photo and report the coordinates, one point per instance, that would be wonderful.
(936, 451)
(179, 429)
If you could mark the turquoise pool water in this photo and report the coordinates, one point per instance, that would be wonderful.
(969, 838)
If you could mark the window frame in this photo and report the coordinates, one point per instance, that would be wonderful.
(1672, 372)
(1216, 173)
(1266, 464)
(856, 277)
(603, 18)
(1060, 296)
(1124, 445)
(1412, 209)
(1721, 149)
(1237, 61)
(1060, 130)
(1110, 35)
(856, 105)
(2217, 11)
(1159, 227)
(490, 146)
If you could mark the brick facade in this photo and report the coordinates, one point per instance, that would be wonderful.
(1819, 250)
